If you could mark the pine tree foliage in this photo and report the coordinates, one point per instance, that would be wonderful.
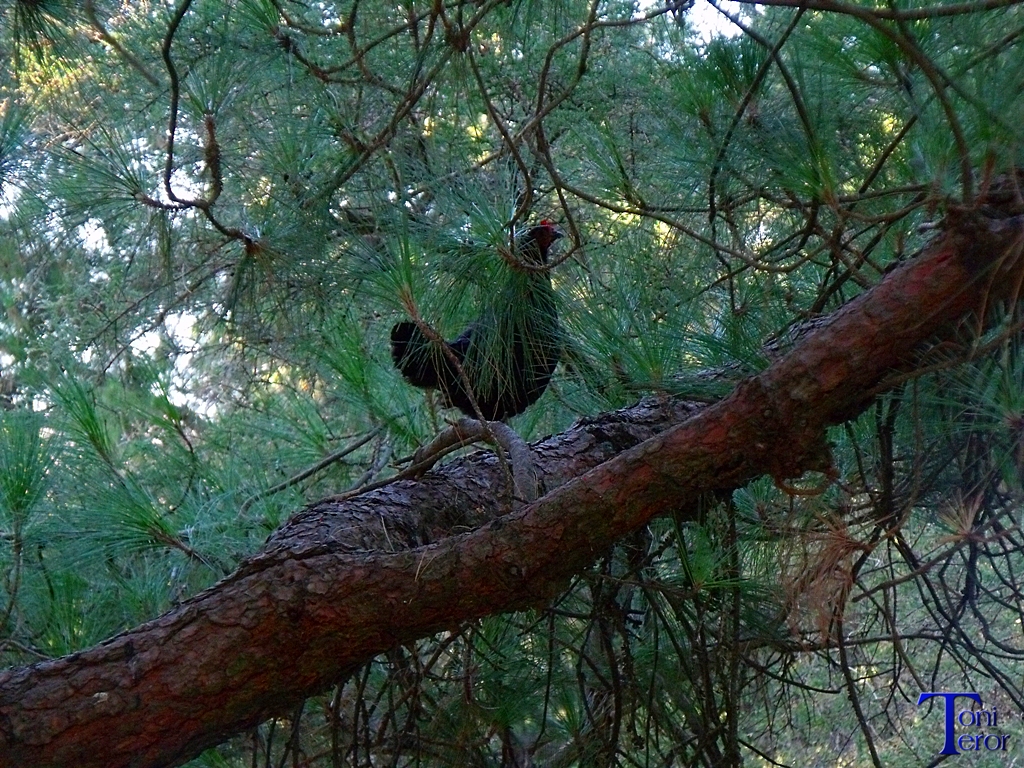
(212, 213)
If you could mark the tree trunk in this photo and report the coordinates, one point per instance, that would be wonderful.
(342, 582)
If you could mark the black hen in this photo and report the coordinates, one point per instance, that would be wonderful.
(508, 354)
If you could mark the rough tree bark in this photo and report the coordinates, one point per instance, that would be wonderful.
(342, 582)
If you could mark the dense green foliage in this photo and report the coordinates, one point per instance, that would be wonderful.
(212, 213)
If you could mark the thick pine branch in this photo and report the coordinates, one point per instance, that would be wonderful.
(342, 582)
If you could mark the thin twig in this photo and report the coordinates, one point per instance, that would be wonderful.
(309, 471)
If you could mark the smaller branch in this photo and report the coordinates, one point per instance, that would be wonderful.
(306, 29)
(414, 470)
(762, 72)
(917, 14)
(467, 431)
(206, 206)
(382, 456)
(309, 471)
(526, 203)
(939, 81)
(106, 37)
(851, 684)
(172, 72)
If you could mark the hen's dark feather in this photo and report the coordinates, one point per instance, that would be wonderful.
(508, 355)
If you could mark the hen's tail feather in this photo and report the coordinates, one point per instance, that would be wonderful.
(413, 356)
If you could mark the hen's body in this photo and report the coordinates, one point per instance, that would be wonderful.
(508, 355)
